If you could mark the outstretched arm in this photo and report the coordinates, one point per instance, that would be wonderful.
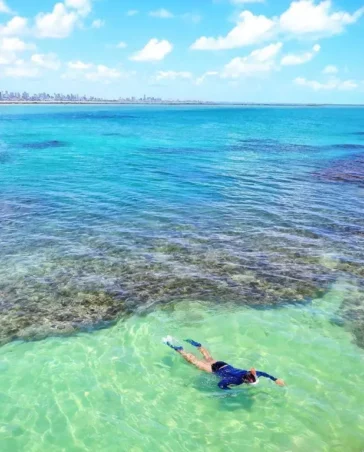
(277, 381)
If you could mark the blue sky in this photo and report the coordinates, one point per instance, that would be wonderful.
(233, 50)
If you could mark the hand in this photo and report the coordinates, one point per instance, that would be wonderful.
(280, 382)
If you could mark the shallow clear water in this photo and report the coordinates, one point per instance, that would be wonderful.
(122, 389)
(126, 216)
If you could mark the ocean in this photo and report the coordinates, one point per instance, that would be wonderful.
(240, 227)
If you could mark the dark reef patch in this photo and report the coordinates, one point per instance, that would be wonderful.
(5, 157)
(64, 294)
(344, 171)
(75, 262)
(348, 146)
(94, 115)
(45, 144)
(71, 297)
(113, 134)
(352, 311)
(18, 210)
(281, 146)
(273, 145)
(176, 150)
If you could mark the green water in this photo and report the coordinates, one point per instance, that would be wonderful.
(120, 389)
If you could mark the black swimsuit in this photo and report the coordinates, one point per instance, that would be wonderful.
(217, 366)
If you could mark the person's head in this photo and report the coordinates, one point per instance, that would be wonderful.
(250, 377)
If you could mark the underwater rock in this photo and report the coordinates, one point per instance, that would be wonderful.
(5, 157)
(113, 134)
(348, 146)
(352, 311)
(351, 171)
(57, 315)
(62, 295)
(274, 146)
(45, 144)
(94, 115)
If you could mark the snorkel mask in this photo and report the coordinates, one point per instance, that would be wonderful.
(251, 377)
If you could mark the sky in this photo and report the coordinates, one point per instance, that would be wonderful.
(213, 50)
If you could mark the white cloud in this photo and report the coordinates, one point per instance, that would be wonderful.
(294, 59)
(302, 18)
(331, 84)
(34, 67)
(305, 17)
(63, 19)
(16, 26)
(249, 30)
(98, 23)
(330, 69)
(7, 58)
(57, 24)
(201, 79)
(348, 85)
(154, 50)
(162, 14)
(15, 45)
(21, 69)
(10, 46)
(192, 17)
(103, 73)
(93, 72)
(132, 12)
(47, 61)
(83, 7)
(267, 53)
(260, 61)
(4, 8)
(78, 65)
(121, 45)
(173, 75)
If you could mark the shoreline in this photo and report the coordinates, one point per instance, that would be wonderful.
(172, 103)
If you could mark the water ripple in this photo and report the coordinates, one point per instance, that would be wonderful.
(174, 204)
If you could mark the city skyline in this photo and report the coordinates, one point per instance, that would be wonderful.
(44, 96)
(8, 97)
(11, 96)
(254, 51)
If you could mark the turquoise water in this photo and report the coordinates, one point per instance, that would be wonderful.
(239, 227)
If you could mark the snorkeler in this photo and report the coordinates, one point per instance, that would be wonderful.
(230, 376)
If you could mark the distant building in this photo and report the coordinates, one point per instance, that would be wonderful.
(6, 96)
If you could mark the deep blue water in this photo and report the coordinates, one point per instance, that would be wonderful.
(108, 210)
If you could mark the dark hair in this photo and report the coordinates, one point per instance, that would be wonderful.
(249, 377)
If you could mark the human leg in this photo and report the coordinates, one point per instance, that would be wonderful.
(192, 359)
(189, 357)
(205, 353)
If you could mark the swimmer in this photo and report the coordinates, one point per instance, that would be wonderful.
(229, 375)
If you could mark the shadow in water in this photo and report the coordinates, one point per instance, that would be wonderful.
(228, 400)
